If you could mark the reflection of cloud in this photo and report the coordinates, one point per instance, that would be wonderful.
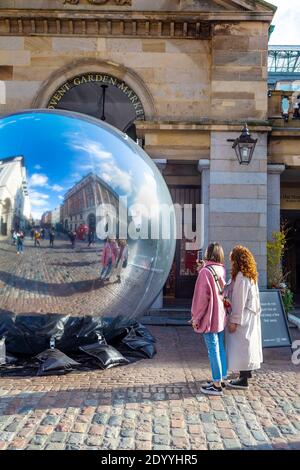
(101, 162)
(37, 213)
(37, 202)
(113, 175)
(94, 149)
(38, 195)
(147, 195)
(38, 179)
(57, 188)
(37, 167)
(61, 197)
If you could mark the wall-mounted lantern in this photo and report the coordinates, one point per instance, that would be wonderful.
(244, 146)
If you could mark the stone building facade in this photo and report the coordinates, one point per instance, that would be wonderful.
(82, 201)
(14, 199)
(182, 77)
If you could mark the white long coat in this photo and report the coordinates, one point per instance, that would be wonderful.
(244, 347)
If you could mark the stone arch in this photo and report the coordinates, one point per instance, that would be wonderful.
(88, 65)
(91, 222)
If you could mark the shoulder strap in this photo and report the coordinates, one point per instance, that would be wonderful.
(213, 272)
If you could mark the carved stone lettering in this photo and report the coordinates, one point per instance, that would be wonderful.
(97, 77)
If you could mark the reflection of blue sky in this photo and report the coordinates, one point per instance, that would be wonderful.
(60, 150)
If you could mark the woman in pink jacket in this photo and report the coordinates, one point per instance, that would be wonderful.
(209, 315)
(109, 256)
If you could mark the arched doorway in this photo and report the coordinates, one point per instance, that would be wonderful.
(102, 96)
(91, 221)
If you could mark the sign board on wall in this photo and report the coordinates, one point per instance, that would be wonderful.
(275, 330)
(290, 198)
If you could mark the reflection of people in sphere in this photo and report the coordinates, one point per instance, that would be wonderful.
(122, 259)
(13, 236)
(19, 240)
(91, 238)
(51, 237)
(72, 236)
(37, 237)
(109, 257)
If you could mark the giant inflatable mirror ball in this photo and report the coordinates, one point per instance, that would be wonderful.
(85, 198)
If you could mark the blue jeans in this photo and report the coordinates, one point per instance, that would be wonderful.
(19, 246)
(216, 354)
(106, 270)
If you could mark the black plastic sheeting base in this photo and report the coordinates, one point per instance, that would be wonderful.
(33, 345)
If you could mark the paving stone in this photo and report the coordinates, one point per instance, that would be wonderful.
(7, 436)
(38, 440)
(111, 432)
(210, 427)
(130, 414)
(126, 443)
(50, 420)
(100, 418)
(213, 437)
(55, 446)
(127, 432)
(161, 430)
(220, 415)
(287, 430)
(259, 436)
(179, 443)
(161, 439)
(74, 439)
(207, 417)
(215, 446)
(231, 444)
(178, 432)
(143, 436)
(192, 418)
(93, 441)
(58, 437)
(109, 444)
(272, 431)
(115, 420)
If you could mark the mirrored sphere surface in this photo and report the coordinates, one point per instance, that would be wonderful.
(63, 178)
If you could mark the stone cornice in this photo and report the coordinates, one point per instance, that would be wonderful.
(205, 126)
(285, 132)
(105, 24)
(117, 23)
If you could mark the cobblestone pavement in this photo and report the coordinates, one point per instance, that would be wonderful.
(62, 280)
(154, 404)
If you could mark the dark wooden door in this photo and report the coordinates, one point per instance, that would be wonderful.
(185, 261)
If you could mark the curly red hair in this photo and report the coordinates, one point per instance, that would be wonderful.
(243, 261)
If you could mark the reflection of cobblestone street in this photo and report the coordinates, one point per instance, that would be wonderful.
(61, 280)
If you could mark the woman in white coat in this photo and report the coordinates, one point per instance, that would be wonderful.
(243, 341)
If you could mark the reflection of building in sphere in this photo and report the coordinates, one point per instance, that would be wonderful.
(79, 278)
(46, 219)
(14, 198)
(82, 202)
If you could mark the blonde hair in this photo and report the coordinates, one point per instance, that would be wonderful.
(215, 252)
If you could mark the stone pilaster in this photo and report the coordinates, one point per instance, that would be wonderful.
(238, 198)
(158, 303)
(273, 213)
(203, 168)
